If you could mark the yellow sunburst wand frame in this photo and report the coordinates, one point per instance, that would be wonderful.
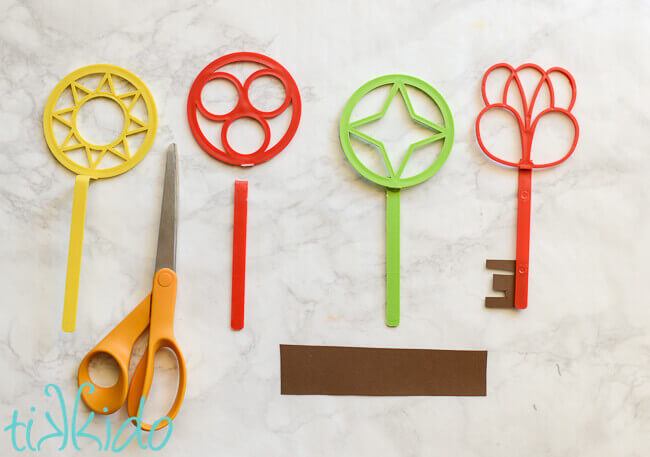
(74, 141)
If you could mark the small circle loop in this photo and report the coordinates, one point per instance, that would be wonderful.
(228, 77)
(86, 99)
(230, 150)
(259, 74)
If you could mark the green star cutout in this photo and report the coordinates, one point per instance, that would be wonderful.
(443, 132)
(439, 132)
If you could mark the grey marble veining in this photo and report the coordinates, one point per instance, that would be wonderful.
(567, 377)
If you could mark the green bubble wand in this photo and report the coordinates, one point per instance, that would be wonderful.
(394, 182)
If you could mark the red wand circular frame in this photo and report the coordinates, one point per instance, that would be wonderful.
(243, 109)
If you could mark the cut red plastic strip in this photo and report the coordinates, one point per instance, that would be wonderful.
(239, 256)
(523, 238)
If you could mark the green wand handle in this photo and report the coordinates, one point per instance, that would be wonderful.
(392, 257)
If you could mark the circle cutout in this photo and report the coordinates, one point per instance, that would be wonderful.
(266, 95)
(239, 136)
(219, 96)
(100, 123)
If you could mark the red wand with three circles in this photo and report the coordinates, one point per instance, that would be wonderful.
(244, 108)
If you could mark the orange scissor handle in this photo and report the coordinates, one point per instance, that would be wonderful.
(118, 345)
(157, 313)
(161, 335)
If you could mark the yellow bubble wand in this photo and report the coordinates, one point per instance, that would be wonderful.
(91, 167)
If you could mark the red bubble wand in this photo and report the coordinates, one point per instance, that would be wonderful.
(527, 125)
(243, 109)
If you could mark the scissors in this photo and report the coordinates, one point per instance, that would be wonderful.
(516, 291)
(156, 313)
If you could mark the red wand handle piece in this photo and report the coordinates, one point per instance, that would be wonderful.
(523, 238)
(239, 256)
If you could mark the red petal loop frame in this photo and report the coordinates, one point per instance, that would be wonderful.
(527, 124)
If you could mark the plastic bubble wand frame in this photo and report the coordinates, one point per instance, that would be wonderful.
(244, 108)
(516, 288)
(92, 167)
(394, 182)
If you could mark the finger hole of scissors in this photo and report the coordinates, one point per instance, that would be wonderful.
(554, 139)
(165, 384)
(103, 369)
(218, 96)
(267, 92)
(498, 134)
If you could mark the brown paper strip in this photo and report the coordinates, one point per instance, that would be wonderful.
(332, 370)
(502, 283)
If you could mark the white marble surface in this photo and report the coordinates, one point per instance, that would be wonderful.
(570, 376)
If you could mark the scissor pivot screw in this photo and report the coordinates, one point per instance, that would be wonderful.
(524, 195)
(164, 279)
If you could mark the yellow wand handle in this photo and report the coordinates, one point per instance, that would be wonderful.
(74, 252)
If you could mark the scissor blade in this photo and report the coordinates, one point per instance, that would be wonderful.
(166, 255)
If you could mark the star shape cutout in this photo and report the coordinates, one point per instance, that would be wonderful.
(439, 132)
(73, 140)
